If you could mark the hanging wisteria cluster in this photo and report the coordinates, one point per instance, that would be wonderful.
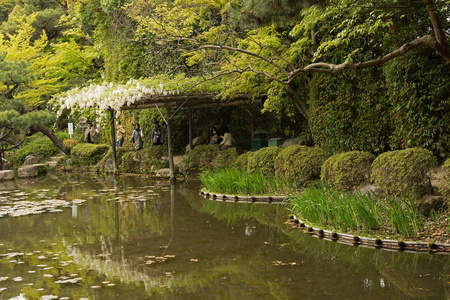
(108, 96)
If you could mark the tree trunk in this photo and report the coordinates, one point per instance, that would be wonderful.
(51, 135)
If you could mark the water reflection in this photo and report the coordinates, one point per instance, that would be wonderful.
(137, 239)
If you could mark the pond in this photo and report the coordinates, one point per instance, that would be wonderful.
(129, 237)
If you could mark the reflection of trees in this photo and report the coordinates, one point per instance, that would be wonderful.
(244, 269)
(269, 214)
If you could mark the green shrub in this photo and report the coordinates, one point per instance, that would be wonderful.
(347, 170)
(85, 154)
(224, 159)
(242, 160)
(200, 159)
(404, 172)
(131, 161)
(301, 164)
(120, 151)
(263, 161)
(62, 160)
(39, 145)
(445, 186)
(70, 143)
(155, 151)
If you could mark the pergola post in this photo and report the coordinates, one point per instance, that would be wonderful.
(113, 141)
(190, 129)
(169, 145)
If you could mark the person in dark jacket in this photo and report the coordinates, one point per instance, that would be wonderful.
(157, 134)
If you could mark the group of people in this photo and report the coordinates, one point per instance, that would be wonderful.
(137, 135)
(221, 141)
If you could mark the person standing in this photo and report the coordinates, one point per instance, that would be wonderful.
(89, 133)
(136, 137)
(157, 134)
(120, 134)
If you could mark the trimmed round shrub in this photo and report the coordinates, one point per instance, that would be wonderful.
(263, 161)
(242, 160)
(444, 189)
(300, 164)
(347, 170)
(404, 172)
(200, 159)
(86, 154)
(224, 159)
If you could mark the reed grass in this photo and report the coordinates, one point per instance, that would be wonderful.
(238, 182)
(357, 212)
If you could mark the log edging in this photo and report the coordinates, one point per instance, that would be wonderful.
(355, 240)
(243, 199)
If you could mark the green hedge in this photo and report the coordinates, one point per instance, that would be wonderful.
(263, 161)
(85, 154)
(242, 160)
(200, 159)
(301, 164)
(347, 170)
(224, 159)
(404, 172)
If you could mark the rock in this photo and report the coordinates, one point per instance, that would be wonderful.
(429, 203)
(32, 170)
(195, 142)
(109, 165)
(292, 141)
(6, 175)
(30, 160)
(163, 172)
(69, 162)
(182, 166)
(368, 189)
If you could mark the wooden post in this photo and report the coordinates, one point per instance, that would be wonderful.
(113, 142)
(169, 145)
(190, 129)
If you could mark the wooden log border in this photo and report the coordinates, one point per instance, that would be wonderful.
(390, 245)
(243, 199)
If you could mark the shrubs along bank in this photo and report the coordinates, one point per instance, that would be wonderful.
(332, 195)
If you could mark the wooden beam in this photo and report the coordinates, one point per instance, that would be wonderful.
(190, 129)
(113, 142)
(169, 145)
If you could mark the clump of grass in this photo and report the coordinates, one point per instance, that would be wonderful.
(357, 212)
(238, 182)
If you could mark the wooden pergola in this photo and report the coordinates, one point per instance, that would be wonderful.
(178, 102)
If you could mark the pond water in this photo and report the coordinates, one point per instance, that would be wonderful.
(133, 238)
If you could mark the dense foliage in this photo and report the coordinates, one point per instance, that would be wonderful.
(296, 53)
